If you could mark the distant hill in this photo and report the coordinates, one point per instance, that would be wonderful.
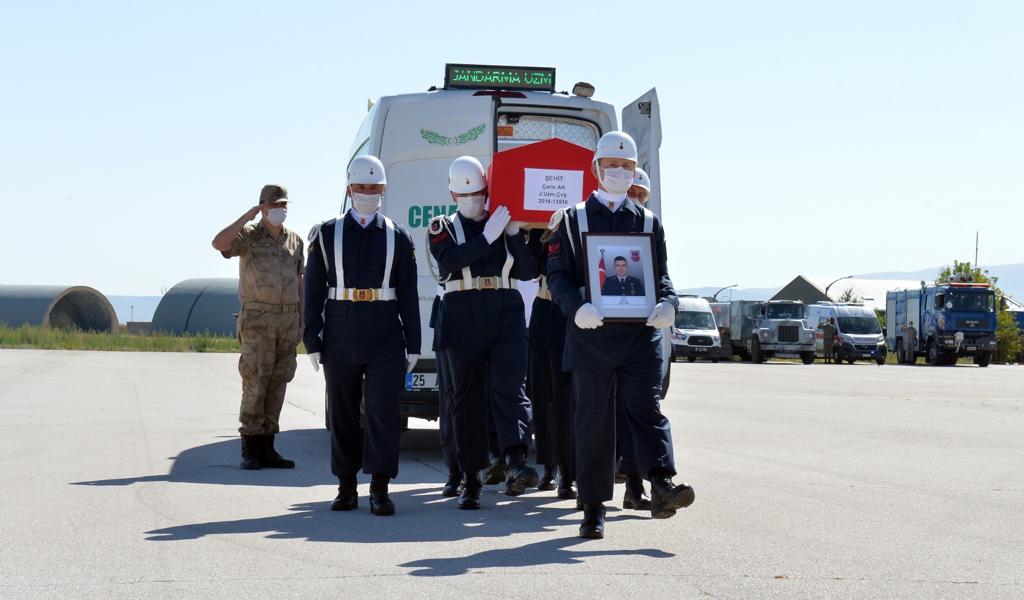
(734, 294)
(144, 307)
(1011, 277)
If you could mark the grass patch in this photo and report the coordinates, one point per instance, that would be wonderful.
(46, 338)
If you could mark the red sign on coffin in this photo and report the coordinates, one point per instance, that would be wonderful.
(537, 179)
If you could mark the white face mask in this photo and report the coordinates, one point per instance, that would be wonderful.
(471, 207)
(366, 204)
(617, 180)
(276, 216)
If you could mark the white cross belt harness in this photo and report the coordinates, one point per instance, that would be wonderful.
(468, 282)
(361, 294)
(584, 225)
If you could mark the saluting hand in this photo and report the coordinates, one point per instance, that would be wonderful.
(252, 212)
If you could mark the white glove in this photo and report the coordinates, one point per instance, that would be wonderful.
(412, 359)
(496, 224)
(314, 358)
(663, 315)
(588, 317)
(513, 227)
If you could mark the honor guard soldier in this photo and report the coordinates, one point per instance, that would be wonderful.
(270, 322)
(483, 329)
(614, 362)
(538, 378)
(363, 325)
(453, 484)
(550, 391)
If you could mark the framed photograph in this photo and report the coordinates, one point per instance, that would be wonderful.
(620, 275)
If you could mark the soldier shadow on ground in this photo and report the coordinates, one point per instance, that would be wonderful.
(216, 463)
(425, 516)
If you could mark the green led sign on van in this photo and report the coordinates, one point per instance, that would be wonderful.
(490, 77)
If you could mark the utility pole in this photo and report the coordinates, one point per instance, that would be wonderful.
(976, 234)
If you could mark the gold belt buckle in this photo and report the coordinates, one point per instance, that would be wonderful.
(487, 283)
(362, 295)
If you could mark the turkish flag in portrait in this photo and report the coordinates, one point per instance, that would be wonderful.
(601, 274)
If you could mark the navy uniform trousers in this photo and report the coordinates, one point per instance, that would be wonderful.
(363, 345)
(444, 392)
(615, 364)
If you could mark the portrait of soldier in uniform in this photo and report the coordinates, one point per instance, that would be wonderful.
(621, 283)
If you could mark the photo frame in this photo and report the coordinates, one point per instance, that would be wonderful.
(620, 278)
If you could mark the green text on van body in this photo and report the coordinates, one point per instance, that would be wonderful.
(420, 215)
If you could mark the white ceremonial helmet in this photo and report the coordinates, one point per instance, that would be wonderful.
(466, 175)
(616, 144)
(641, 179)
(366, 170)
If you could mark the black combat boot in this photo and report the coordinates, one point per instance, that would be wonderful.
(348, 495)
(565, 491)
(666, 496)
(495, 473)
(634, 497)
(547, 481)
(520, 475)
(453, 486)
(250, 452)
(592, 527)
(380, 503)
(269, 458)
(470, 497)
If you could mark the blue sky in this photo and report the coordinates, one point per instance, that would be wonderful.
(813, 137)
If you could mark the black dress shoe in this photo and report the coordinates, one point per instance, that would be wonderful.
(565, 491)
(470, 497)
(348, 496)
(380, 502)
(592, 527)
(520, 475)
(667, 497)
(634, 498)
(453, 486)
(269, 458)
(547, 481)
(250, 453)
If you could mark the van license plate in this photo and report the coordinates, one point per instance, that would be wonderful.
(972, 348)
(421, 382)
(866, 355)
(700, 350)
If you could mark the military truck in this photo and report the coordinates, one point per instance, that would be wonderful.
(762, 330)
(952, 320)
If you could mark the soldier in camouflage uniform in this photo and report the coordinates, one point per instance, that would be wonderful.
(270, 323)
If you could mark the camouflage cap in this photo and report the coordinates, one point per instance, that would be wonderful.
(273, 193)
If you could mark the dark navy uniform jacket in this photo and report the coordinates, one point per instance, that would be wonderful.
(477, 317)
(547, 323)
(630, 287)
(611, 344)
(365, 331)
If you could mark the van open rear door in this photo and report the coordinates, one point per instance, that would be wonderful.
(641, 119)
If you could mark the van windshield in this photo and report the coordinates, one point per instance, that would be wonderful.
(518, 130)
(859, 325)
(689, 319)
(971, 302)
(785, 311)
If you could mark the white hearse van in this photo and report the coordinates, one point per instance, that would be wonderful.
(480, 110)
(858, 333)
(695, 334)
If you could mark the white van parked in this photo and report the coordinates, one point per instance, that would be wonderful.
(695, 334)
(858, 333)
(479, 111)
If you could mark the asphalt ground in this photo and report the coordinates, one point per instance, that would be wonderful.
(119, 479)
